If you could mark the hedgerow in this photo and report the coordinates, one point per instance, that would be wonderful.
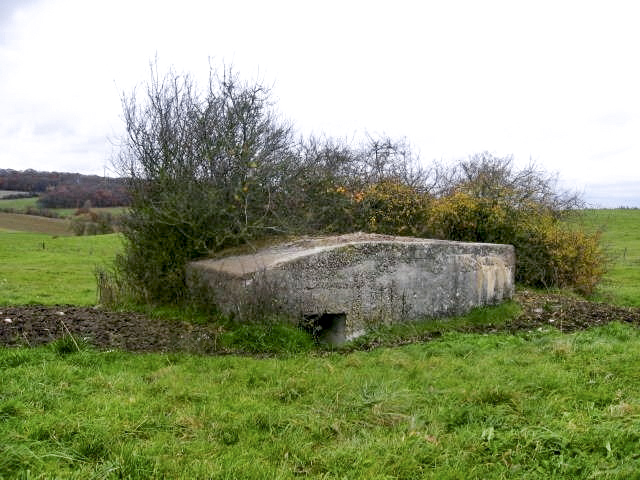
(213, 169)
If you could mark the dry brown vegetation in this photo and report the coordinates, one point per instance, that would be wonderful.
(30, 223)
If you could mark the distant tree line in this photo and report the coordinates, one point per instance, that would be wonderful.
(36, 181)
(66, 190)
(77, 196)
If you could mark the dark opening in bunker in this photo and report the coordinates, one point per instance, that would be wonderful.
(327, 328)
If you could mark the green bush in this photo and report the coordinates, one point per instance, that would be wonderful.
(462, 217)
(215, 169)
(154, 258)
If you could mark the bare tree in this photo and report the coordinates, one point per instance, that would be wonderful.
(203, 170)
(387, 159)
(492, 178)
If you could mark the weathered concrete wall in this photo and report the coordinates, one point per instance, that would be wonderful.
(370, 278)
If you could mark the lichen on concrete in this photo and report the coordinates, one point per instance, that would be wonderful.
(369, 278)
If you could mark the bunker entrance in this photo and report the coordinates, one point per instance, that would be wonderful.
(327, 328)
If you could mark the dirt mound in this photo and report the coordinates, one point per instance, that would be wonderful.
(37, 325)
(568, 314)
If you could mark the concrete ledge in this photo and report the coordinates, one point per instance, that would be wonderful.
(360, 280)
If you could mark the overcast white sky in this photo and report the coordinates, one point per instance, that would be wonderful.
(553, 81)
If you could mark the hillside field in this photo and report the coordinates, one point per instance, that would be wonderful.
(17, 222)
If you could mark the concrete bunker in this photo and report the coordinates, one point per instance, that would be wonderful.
(340, 286)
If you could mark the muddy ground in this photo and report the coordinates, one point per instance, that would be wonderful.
(37, 325)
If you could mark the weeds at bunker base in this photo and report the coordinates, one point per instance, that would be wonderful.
(359, 280)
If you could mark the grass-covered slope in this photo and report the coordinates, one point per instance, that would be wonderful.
(16, 222)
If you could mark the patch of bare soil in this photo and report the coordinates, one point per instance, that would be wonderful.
(37, 325)
(567, 314)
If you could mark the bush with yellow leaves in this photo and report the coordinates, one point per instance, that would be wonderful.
(391, 208)
(549, 253)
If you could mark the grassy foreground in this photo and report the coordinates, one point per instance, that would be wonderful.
(537, 405)
(542, 405)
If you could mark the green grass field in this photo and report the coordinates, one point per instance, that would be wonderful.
(22, 204)
(41, 269)
(536, 405)
(542, 405)
(18, 203)
(621, 238)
